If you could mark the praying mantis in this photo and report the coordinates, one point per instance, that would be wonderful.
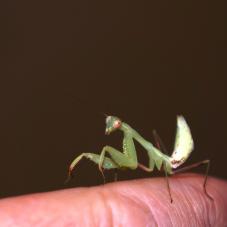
(127, 159)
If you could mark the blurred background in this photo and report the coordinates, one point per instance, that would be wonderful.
(65, 63)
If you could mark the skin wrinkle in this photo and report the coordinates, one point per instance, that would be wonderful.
(160, 213)
(142, 206)
(218, 206)
(121, 212)
(164, 207)
(71, 212)
(194, 220)
(186, 195)
(96, 208)
(189, 206)
(171, 215)
(213, 213)
(110, 204)
(128, 203)
(210, 206)
(192, 209)
(205, 204)
(189, 193)
(146, 199)
(108, 210)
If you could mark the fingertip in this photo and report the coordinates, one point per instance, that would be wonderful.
(128, 203)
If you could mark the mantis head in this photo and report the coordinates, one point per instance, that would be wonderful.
(112, 123)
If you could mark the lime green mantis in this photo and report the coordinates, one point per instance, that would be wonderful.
(128, 157)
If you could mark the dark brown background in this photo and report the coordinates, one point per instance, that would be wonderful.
(65, 62)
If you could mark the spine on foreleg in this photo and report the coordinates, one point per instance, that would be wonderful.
(184, 144)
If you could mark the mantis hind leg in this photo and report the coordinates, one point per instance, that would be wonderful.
(207, 163)
(107, 163)
(159, 143)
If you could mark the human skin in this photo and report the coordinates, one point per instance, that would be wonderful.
(132, 203)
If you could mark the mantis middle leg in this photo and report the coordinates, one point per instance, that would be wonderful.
(167, 180)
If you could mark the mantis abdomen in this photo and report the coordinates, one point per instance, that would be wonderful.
(184, 144)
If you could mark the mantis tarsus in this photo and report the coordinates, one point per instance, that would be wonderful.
(128, 158)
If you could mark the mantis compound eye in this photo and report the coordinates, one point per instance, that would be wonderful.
(117, 124)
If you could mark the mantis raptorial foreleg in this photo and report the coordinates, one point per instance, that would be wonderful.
(118, 157)
(107, 162)
(125, 159)
(122, 160)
